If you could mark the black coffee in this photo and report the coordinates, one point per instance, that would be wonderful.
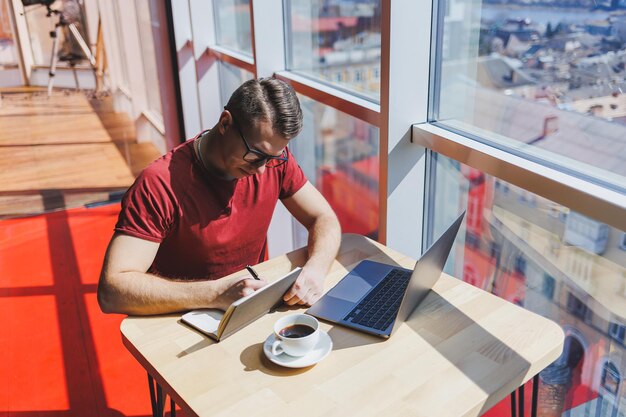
(296, 330)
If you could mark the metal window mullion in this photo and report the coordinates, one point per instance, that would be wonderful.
(23, 39)
(231, 57)
(268, 50)
(405, 67)
(267, 21)
(590, 199)
(359, 108)
(203, 29)
(187, 67)
(134, 59)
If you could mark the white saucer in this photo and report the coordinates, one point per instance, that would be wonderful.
(319, 352)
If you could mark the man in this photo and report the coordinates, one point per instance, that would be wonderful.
(202, 211)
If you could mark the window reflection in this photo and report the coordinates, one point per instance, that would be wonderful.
(231, 77)
(232, 18)
(550, 260)
(547, 74)
(336, 41)
(340, 156)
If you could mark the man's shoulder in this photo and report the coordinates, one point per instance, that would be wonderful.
(176, 159)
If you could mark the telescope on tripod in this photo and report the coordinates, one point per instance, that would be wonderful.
(68, 15)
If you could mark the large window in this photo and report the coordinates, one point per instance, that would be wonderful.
(339, 154)
(233, 25)
(530, 228)
(338, 42)
(540, 81)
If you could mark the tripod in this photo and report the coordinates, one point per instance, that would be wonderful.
(72, 58)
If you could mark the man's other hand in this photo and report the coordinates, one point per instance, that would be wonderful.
(307, 289)
(237, 288)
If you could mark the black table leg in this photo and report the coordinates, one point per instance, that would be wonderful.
(517, 401)
(521, 401)
(152, 397)
(513, 405)
(533, 409)
(157, 400)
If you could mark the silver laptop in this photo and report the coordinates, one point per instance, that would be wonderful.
(375, 297)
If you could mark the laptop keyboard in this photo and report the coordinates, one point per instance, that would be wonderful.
(378, 309)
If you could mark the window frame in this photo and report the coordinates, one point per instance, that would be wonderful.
(588, 198)
(408, 74)
(617, 332)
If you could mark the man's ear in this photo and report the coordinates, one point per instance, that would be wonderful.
(226, 119)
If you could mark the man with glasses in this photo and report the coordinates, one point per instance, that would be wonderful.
(202, 212)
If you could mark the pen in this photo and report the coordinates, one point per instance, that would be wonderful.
(252, 272)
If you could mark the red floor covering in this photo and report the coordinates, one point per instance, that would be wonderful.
(59, 354)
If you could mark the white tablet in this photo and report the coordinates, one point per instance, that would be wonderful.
(219, 325)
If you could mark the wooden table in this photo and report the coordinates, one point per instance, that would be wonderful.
(462, 351)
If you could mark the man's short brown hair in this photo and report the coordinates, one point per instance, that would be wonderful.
(267, 99)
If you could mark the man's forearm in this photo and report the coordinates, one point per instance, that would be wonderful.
(137, 293)
(324, 240)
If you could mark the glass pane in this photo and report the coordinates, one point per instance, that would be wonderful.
(8, 51)
(546, 82)
(232, 18)
(338, 42)
(339, 155)
(146, 28)
(40, 27)
(231, 77)
(547, 259)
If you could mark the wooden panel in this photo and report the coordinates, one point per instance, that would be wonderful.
(62, 167)
(462, 351)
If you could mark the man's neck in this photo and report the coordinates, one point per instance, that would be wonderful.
(211, 154)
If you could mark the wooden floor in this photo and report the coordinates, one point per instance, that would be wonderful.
(64, 151)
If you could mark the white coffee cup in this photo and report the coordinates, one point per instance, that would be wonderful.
(296, 335)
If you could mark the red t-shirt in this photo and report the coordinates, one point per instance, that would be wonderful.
(207, 227)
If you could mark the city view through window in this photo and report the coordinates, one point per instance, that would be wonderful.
(545, 77)
(337, 42)
(550, 260)
(340, 156)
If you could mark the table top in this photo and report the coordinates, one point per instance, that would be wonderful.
(461, 351)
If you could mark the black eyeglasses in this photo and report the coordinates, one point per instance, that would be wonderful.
(257, 158)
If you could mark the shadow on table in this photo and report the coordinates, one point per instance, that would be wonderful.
(447, 329)
(205, 342)
(254, 359)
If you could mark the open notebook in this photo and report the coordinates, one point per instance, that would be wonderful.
(219, 325)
